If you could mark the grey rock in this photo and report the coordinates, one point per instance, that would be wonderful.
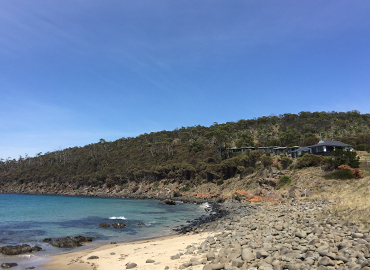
(248, 255)
(150, 261)
(325, 261)
(92, 258)
(175, 257)
(8, 265)
(131, 265)
(237, 263)
(210, 256)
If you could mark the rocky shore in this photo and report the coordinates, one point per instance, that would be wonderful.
(252, 233)
(284, 236)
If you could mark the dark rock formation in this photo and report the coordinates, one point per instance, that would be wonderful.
(68, 242)
(18, 249)
(104, 225)
(8, 265)
(119, 225)
(169, 202)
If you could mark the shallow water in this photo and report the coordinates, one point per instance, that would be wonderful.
(28, 219)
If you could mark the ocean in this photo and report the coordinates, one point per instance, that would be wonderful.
(28, 219)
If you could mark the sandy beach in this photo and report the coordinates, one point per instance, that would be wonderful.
(118, 256)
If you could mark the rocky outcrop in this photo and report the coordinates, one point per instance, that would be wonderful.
(68, 242)
(18, 249)
(169, 202)
(119, 225)
(104, 225)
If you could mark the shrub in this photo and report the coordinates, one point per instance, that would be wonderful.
(156, 184)
(363, 147)
(285, 162)
(309, 160)
(266, 161)
(220, 182)
(254, 156)
(284, 181)
(341, 174)
(248, 171)
(341, 157)
(186, 188)
(357, 173)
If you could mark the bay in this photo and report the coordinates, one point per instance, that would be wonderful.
(28, 219)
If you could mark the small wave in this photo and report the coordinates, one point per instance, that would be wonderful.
(205, 205)
(117, 218)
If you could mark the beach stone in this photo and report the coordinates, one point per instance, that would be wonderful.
(300, 234)
(237, 263)
(210, 256)
(92, 258)
(247, 254)
(325, 261)
(131, 265)
(175, 257)
(8, 265)
(214, 266)
(150, 261)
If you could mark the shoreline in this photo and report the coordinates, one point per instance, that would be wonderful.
(263, 236)
(116, 256)
(24, 261)
(160, 249)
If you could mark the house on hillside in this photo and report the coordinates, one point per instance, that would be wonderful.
(323, 148)
(296, 153)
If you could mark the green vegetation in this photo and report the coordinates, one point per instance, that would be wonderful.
(219, 182)
(309, 160)
(284, 181)
(340, 174)
(188, 154)
(341, 157)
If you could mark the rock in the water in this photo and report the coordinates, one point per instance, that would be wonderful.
(169, 202)
(8, 265)
(68, 242)
(16, 250)
(119, 225)
(131, 265)
(104, 225)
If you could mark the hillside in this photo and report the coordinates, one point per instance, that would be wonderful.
(188, 155)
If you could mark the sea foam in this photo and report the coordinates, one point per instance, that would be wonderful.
(117, 218)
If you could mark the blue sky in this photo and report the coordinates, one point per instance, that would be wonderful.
(75, 71)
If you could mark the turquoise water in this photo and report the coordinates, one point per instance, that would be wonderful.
(28, 219)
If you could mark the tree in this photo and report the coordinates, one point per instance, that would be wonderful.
(342, 157)
(245, 139)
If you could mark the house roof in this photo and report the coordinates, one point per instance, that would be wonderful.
(330, 143)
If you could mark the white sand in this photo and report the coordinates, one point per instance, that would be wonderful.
(117, 256)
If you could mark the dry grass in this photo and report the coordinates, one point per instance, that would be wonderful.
(352, 201)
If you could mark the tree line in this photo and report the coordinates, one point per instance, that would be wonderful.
(189, 154)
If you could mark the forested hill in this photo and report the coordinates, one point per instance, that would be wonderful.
(189, 154)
